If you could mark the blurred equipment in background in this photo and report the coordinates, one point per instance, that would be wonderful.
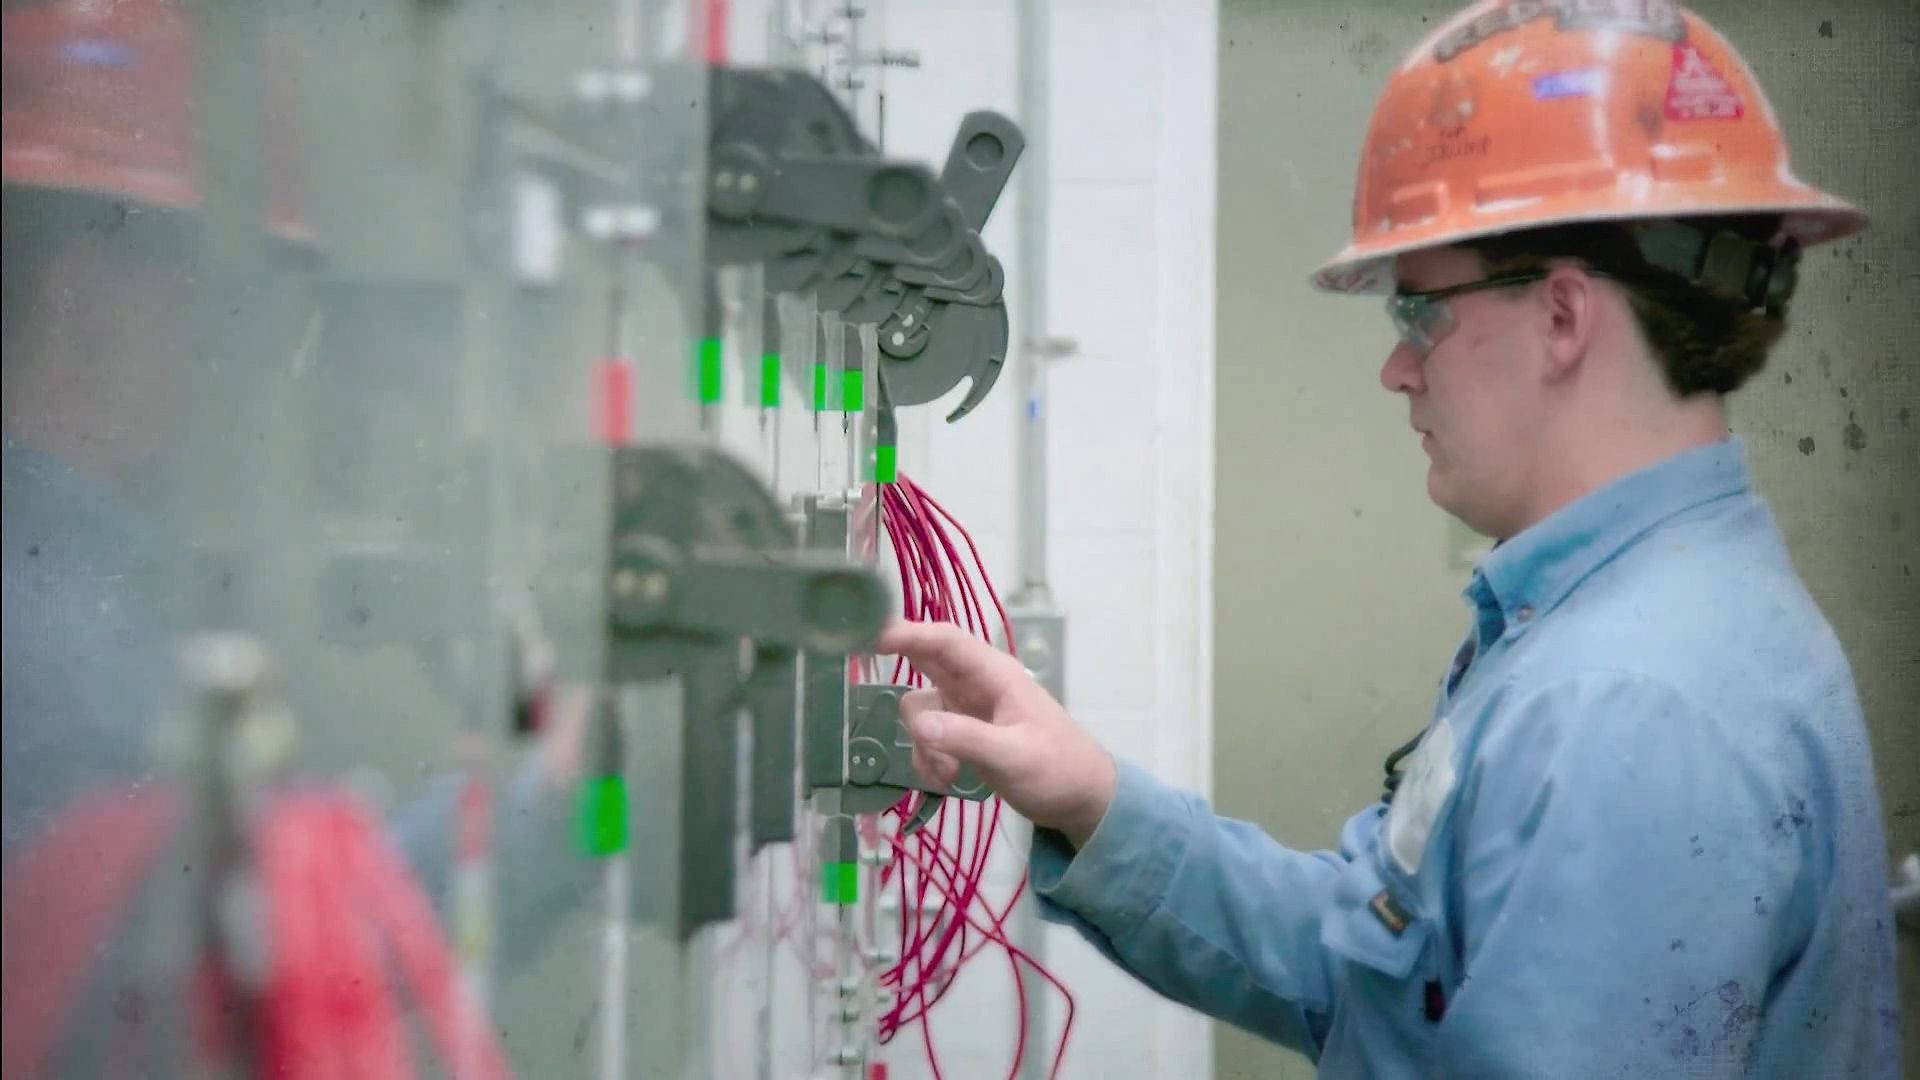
(376, 363)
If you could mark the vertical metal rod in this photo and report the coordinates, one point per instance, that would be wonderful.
(1030, 446)
(1033, 26)
(880, 91)
(613, 730)
(613, 970)
(763, 1014)
(853, 16)
(615, 874)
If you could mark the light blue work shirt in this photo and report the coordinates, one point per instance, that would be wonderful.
(1640, 837)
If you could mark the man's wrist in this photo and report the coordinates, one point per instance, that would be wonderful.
(1079, 828)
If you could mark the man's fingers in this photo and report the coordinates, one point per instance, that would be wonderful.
(921, 711)
(926, 645)
(963, 739)
(913, 703)
(947, 654)
(935, 767)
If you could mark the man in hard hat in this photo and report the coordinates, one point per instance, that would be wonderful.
(1639, 835)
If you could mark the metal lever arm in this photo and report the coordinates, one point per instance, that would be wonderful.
(980, 164)
(701, 558)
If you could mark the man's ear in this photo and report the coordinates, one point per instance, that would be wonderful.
(1572, 300)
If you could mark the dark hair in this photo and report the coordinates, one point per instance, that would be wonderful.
(1704, 341)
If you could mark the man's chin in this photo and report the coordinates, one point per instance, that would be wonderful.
(1438, 489)
(1446, 495)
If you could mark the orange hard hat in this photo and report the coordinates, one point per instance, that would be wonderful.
(100, 98)
(1519, 114)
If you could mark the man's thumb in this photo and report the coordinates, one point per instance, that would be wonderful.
(972, 741)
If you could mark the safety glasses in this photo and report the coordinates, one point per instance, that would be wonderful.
(1424, 318)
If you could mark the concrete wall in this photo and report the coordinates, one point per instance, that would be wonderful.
(1337, 584)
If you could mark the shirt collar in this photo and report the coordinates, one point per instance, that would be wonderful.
(1529, 574)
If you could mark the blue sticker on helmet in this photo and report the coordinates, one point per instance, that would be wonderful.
(1583, 82)
(97, 52)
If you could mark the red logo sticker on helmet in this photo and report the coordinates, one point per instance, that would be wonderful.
(1697, 91)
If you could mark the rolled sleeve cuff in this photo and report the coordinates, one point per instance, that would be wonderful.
(1123, 873)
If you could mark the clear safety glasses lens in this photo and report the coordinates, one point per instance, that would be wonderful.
(1421, 321)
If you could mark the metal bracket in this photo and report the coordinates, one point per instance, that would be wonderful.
(701, 558)
(827, 522)
(772, 794)
(1040, 641)
(880, 760)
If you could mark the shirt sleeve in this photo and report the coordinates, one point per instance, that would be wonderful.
(1208, 912)
(1629, 875)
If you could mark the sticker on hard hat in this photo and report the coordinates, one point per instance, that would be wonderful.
(1697, 91)
(1585, 82)
(1654, 18)
(1457, 146)
(97, 52)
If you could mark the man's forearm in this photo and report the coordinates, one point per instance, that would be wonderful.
(1206, 911)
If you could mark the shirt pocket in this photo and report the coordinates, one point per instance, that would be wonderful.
(1383, 946)
(1376, 923)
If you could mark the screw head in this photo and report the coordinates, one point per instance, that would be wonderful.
(865, 761)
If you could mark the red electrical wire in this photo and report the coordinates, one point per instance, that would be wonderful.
(946, 861)
(938, 882)
(343, 907)
(64, 897)
(1021, 956)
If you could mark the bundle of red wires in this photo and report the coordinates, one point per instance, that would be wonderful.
(946, 919)
(344, 924)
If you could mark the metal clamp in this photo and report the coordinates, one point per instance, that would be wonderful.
(702, 558)
(880, 761)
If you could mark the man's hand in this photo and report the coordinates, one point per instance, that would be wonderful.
(985, 711)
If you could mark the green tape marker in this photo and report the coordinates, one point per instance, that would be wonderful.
(886, 464)
(603, 815)
(770, 381)
(820, 386)
(853, 389)
(840, 882)
(710, 371)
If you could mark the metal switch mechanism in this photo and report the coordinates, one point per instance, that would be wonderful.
(701, 559)
(880, 764)
(853, 738)
(789, 183)
(792, 184)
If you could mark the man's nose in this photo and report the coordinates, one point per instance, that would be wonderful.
(1401, 373)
